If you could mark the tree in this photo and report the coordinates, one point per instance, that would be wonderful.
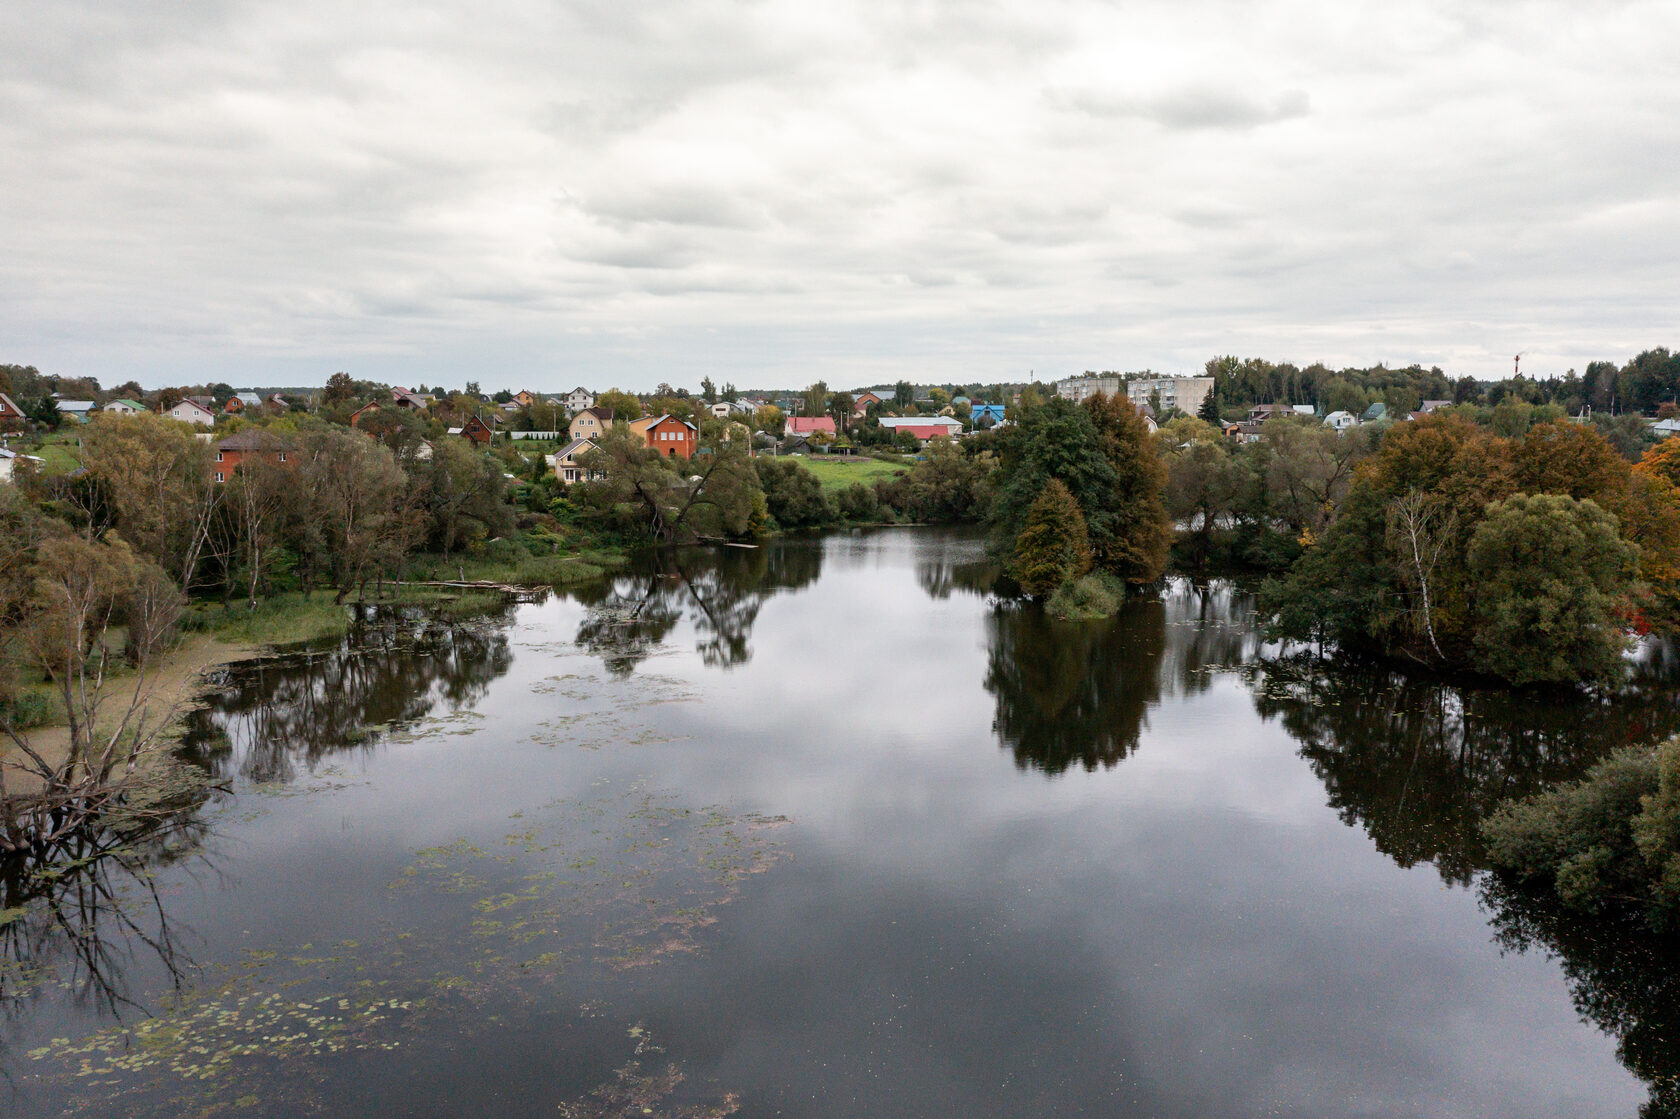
(708, 391)
(1550, 573)
(625, 407)
(1419, 539)
(341, 388)
(82, 590)
(644, 486)
(770, 419)
(1052, 548)
(1204, 481)
(816, 399)
(1136, 548)
(792, 494)
(359, 500)
(904, 394)
(840, 407)
(157, 478)
(45, 412)
(1209, 409)
(464, 494)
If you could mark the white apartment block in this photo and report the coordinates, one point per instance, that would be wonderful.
(1184, 393)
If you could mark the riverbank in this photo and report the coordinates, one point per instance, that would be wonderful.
(216, 634)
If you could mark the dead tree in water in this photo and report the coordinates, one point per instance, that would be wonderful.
(102, 770)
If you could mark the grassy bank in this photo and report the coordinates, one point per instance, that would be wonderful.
(836, 473)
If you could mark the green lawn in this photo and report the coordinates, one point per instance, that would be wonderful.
(59, 452)
(836, 474)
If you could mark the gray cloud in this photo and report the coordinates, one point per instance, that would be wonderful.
(909, 189)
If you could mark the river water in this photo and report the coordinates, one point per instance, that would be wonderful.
(830, 828)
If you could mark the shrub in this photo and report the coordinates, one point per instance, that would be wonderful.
(1086, 598)
(1611, 839)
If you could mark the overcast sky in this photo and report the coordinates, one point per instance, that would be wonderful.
(629, 191)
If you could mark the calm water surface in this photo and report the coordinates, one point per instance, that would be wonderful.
(831, 829)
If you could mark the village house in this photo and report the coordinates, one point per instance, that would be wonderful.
(403, 398)
(240, 401)
(862, 400)
(922, 432)
(946, 424)
(9, 411)
(810, 425)
(591, 423)
(668, 435)
(10, 460)
(564, 462)
(478, 429)
(524, 398)
(369, 409)
(192, 412)
(246, 446)
(123, 407)
(579, 399)
(1341, 420)
(77, 410)
(980, 414)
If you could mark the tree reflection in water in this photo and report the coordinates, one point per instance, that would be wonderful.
(1073, 693)
(1079, 693)
(395, 667)
(1622, 978)
(1418, 762)
(719, 591)
(81, 918)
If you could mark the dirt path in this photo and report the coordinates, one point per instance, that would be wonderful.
(176, 683)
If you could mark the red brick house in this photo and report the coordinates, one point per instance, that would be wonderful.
(668, 435)
(245, 446)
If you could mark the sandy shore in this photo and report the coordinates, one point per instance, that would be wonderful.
(172, 686)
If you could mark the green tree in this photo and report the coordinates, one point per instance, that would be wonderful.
(1209, 410)
(1051, 548)
(464, 494)
(708, 391)
(1135, 548)
(625, 407)
(341, 388)
(816, 399)
(1550, 573)
(792, 494)
(904, 394)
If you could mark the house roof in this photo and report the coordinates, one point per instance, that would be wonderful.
(605, 414)
(190, 402)
(75, 405)
(925, 431)
(576, 446)
(11, 405)
(127, 403)
(581, 389)
(252, 439)
(248, 398)
(921, 421)
(810, 425)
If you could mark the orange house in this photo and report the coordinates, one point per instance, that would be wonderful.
(668, 435)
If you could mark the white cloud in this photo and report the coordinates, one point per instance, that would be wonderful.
(774, 191)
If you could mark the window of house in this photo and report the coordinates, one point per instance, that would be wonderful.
(218, 456)
(220, 477)
(282, 456)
